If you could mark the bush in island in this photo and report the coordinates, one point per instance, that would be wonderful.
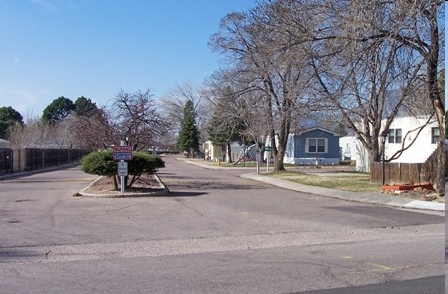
(101, 163)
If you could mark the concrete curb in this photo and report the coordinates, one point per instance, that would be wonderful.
(373, 198)
(214, 166)
(163, 192)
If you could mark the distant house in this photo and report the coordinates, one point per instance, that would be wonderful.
(352, 149)
(5, 144)
(212, 152)
(316, 146)
(347, 145)
(215, 152)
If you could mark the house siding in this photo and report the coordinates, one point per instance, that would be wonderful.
(418, 152)
(421, 149)
(297, 145)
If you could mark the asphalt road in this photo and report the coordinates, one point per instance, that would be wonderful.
(215, 233)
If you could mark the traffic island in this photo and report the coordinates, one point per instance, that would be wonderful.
(103, 187)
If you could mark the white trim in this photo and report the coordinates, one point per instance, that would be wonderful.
(321, 129)
(307, 145)
(311, 161)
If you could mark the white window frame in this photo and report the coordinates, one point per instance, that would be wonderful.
(435, 138)
(392, 138)
(308, 145)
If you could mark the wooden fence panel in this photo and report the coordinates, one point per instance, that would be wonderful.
(396, 173)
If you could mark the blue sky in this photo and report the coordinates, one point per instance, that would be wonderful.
(95, 48)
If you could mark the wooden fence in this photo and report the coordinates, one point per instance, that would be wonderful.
(396, 173)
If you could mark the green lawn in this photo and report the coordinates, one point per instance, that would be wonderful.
(355, 182)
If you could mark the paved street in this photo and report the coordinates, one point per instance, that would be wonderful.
(215, 233)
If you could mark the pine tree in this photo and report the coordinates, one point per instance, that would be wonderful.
(224, 130)
(188, 139)
(8, 118)
(57, 110)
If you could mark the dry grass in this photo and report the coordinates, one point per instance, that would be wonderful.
(354, 182)
(351, 182)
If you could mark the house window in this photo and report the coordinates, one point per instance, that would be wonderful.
(435, 135)
(395, 136)
(316, 145)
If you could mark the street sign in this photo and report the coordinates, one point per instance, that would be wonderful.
(122, 156)
(122, 169)
(268, 148)
(122, 153)
(122, 149)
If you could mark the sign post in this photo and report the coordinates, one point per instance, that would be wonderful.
(122, 153)
(268, 149)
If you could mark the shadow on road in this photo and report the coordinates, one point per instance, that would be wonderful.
(8, 254)
(185, 194)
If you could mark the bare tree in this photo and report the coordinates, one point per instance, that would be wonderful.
(260, 47)
(361, 82)
(93, 130)
(138, 114)
(398, 48)
(226, 125)
(174, 102)
(28, 135)
(60, 132)
(246, 103)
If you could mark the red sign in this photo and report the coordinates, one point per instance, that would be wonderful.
(122, 153)
(122, 149)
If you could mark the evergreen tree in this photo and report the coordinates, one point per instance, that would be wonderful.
(8, 117)
(341, 129)
(216, 134)
(59, 109)
(84, 106)
(188, 139)
(224, 129)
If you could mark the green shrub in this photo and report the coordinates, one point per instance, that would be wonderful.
(101, 163)
(144, 163)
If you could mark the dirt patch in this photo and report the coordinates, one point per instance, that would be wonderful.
(419, 194)
(145, 184)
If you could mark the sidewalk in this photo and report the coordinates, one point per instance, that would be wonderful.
(366, 197)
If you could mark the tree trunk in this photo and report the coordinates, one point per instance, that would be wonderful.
(278, 162)
(282, 141)
(228, 152)
(439, 181)
(434, 95)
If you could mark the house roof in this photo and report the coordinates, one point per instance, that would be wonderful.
(4, 143)
(321, 129)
